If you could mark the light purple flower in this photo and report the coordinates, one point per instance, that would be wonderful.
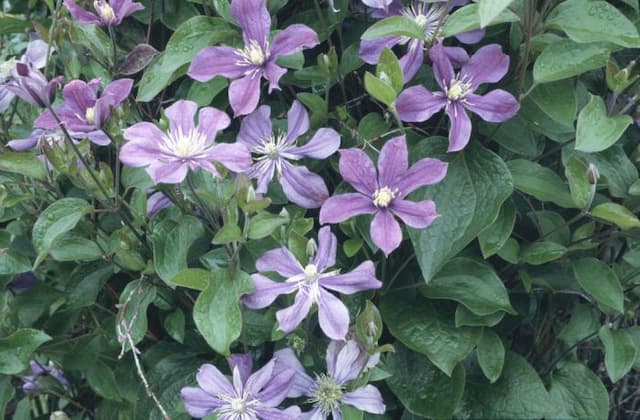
(431, 17)
(84, 114)
(256, 60)
(107, 12)
(488, 65)
(274, 152)
(383, 193)
(168, 156)
(248, 396)
(156, 202)
(31, 386)
(29, 84)
(39, 137)
(310, 283)
(327, 392)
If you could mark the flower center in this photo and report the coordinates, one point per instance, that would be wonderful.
(311, 273)
(429, 17)
(327, 394)
(90, 115)
(105, 11)
(238, 406)
(458, 88)
(253, 54)
(382, 197)
(186, 145)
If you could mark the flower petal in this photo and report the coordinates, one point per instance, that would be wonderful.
(213, 381)
(303, 384)
(417, 104)
(81, 15)
(254, 19)
(426, 171)
(345, 367)
(333, 316)
(471, 37)
(79, 95)
(141, 148)
(357, 169)
(370, 50)
(418, 215)
(276, 390)
(269, 413)
(211, 120)
(289, 318)
(198, 403)
(488, 65)
(385, 231)
(116, 92)
(260, 378)
(297, 121)
(322, 145)
(280, 260)
(303, 187)
(273, 73)
(244, 364)
(244, 93)
(181, 115)
(327, 248)
(496, 106)
(293, 39)
(233, 156)
(363, 277)
(393, 161)
(168, 173)
(367, 398)
(256, 127)
(266, 291)
(457, 55)
(216, 61)
(460, 131)
(412, 60)
(442, 67)
(344, 206)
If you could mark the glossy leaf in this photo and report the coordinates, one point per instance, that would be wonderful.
(619, 352)
(490, 354)
(600, 281)
(17, 349)
(565, 59)
(596, 130)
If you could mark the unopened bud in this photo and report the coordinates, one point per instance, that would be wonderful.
(251, 194)
(58, 415)
(312, 248)
(593, 174)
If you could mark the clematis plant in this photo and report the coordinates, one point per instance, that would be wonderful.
(327, 392)
(246, 66)
(32, 86)
(83, 114)
(274, 152)
(107, 12)
(168, 156)
(247, 396)
(310, 283)
(383, 193)
(488, 65)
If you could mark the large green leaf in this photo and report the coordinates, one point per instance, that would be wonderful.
(557, 100)
(597, 279)
(490, 354)
(467, 18)
(577, 173)
(482, 179)
(217, 312)
(488, 10)
(596, 130)
(17, 349)
(394, 26)
(427, 331)
(493, 238)
(616, 214)
(23, 163)
(134, 300)
(421, 387)
(540, 182)
(578, 393)
(564, 59)
(615, 168)
(619, 352)
(94, 39)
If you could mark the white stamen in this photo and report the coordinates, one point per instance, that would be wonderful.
(327, 394)
(308, 282)
(428, 16)
(105, 11)
(185, 145)
(90, 115)
(273, 149)
(382, 197)
(253, 54)
(459, 88)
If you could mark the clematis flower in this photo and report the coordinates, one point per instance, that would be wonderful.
(248, 396)
(84, 114)
(488, 65)
(39, 137)
(107, 12)
(256, 60)
(383, 194)
(310, 285)
(156, 202)
(29, 84)
(327, 392)
(168, 156)
(31, 386)
(430, 17)
(274, 152)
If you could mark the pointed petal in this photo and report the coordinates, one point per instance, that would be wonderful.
(266, 291)
(181, 115)
(269, 413)
(357, 169)
(78, 95)
(457, 55)
(346, 363)
(361, 278)
(96, 137)
(197, 402)
(253, 17)
(303, 187)
(367, 398)
(213, 381)
(116, 92)
(417, 104)
(216, 61)
(211, 120)
(302, 384)
(260, 378)
(393, 161)
(256, 127)
(471, 37)
(168, 173)
(244, 364)
(344, 206)
(264, 172)
(418, 215)
(370, 50)
(273, 73)
(280, 260)
(412, 60)
(45, 120)
(460, 131)
(297, 121)
(36, 53)
(233, 156)
(426, 171)
(333, 316)
(293, 39)
(327, 249)
(274, 392)
(488, 65)
(314, 414)
(81, 15)
(385, 231)
(496, 106)
(244, 93)
(141, 147)
(289, 318)
(322, 145)
(442, 67)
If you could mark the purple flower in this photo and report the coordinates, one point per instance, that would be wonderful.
(327, 392)
(488, 65)
(23, 282)
(431, 17)
(31, 386)
(383, 194)
(84, 114)
(39, 137)
(29, 83)
(275, 150)
(248, 396)
(156, 202)
(108, 12)
(256, 60)
(310, 284)
(168, 156)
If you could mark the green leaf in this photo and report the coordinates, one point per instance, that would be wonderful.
(17, 349)
(23, 163)
(539, 181)
(203, 93)
(57, 219)
(490, 354)
(577, 173)
(389, 71)
(12, 263)
(7, 391)
(394, 26)
(615, 167)
(619, 352)
(557, 100)
(192, 278)
(190, 37)
(465, 318)
(634, 332)
(171, 242)
(577, 393)
(600, 281)
(421, 387)
(94, 39)
(217, 311)
(593, 21)
(228, 233)
(473, 284)
(76, 248)
(596, 130)
(12, 25)
(542, 252)
(476, 174)
(488, 10)
(616, 214)
(264, 224)
(102, 380)
(427, 331)
(174, 324)
(134, 300)
(493, 238)
(467, 19)
(379, 89)
(564, 59)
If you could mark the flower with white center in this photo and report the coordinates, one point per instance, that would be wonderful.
(168, 156)
(311, 284)
(107, 12)
(274, 154)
